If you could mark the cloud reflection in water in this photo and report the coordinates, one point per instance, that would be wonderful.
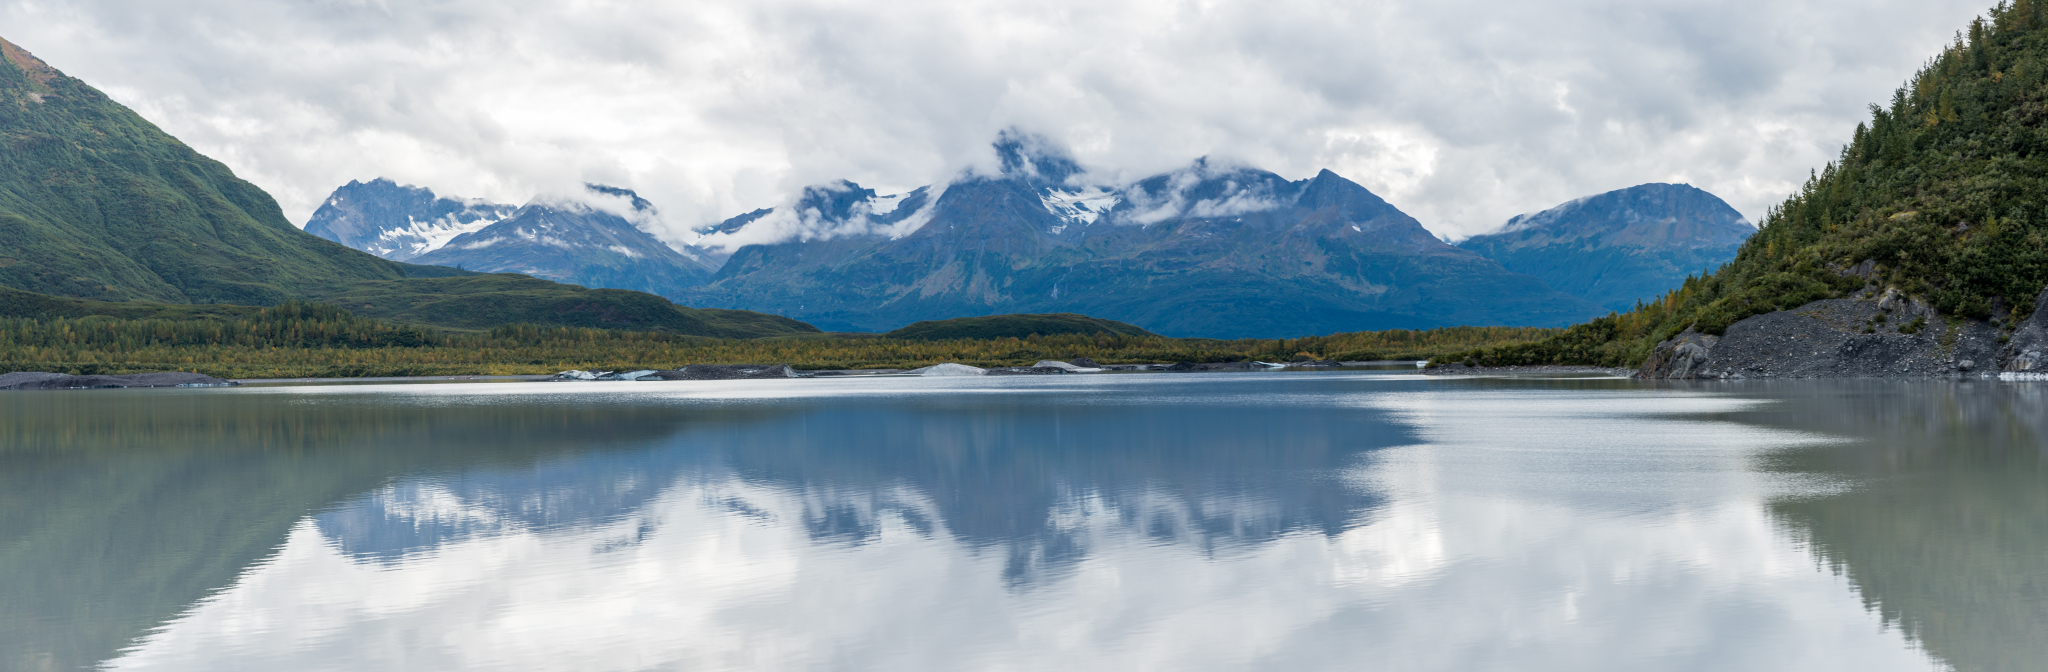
(1205, 523)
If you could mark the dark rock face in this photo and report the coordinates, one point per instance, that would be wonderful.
(1867, 336)
(1084, 362)
(2027, 352)
(1622, 246)
(398, 222)
(32, 380)
(578, 244)
(1210, 250)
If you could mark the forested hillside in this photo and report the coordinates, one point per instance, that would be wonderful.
(1940, 194)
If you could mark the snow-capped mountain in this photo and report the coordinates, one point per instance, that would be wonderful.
(591, 239)
(1209, 250)
(399, 222)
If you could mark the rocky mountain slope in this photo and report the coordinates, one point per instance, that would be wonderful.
(1620, 247)
(1932, 224)
(1210, 250)
(574, 242)
(399, 222)
(98, 203)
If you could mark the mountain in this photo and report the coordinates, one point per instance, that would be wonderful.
(97, 203)
(1211, 250)
(1620, 247)
(1935, 214)
(577, 243)
(398, 222)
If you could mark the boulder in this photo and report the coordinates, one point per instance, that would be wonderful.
(1683, 357)
(1084, 362)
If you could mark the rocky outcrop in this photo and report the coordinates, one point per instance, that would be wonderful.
(1683, 357)
(1867, 335)
(37, 380)
(2027, 352)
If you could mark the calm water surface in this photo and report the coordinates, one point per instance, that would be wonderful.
(1337, 520)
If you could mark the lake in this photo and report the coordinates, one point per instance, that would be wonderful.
(1236, 521)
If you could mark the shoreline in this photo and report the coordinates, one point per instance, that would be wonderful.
(389, 379)
(1463, 370)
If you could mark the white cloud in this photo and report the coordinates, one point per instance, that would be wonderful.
(1462, 113)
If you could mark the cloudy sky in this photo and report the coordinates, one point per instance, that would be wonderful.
(1461, 112)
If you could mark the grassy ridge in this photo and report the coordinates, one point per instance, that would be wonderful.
(305, 340)
(1944, 193)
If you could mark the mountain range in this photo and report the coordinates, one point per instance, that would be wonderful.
(1213, 250)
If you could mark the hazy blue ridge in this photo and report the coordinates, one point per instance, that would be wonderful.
(1211, 250)
(1622, 246)
(398, 222)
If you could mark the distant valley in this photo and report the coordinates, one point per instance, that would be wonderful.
(1211, 250)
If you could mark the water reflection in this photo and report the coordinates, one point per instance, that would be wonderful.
(1108, 522)
(1946, 534)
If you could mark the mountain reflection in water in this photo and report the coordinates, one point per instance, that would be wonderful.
(1225, 521)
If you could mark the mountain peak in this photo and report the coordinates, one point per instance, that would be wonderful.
(1033, 158)
(1646, 215)
(1617, 247)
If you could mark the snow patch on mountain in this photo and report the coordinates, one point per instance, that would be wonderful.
(1078, 206)
(420, 237)
(883, 205)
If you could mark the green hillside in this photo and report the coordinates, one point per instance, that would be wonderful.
(1014, 326)
(1944, 192)
(99, 205)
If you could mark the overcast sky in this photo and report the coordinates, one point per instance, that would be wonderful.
(1462, 113)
